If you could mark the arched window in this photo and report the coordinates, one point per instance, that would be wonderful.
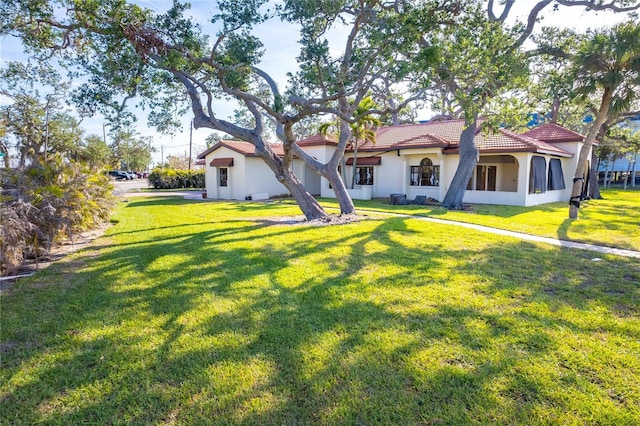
(426, 174)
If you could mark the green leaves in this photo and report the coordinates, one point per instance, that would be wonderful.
(609, 60)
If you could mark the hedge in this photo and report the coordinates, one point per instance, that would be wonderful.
(174, 179)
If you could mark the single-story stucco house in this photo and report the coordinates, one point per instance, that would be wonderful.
(531, 168)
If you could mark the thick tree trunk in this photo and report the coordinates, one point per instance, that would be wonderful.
(339, 188)
(581, 167)
(330, 170)
(466, 166)
(307, 203)
(594, 188)
(555, 110)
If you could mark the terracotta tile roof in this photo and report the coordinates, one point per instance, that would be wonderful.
(505, 141)
(420, 141)
(554, 133)
(439, 134)
(317, 140)
(444, 130)
(244, 148)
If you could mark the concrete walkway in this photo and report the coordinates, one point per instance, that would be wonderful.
(520, 235)
(197, 195)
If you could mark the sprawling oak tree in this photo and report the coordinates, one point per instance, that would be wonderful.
(130, 52)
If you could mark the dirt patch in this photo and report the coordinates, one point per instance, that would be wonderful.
(301, 220)
(66, 247)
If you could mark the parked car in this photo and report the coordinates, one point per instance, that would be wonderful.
(120, 175)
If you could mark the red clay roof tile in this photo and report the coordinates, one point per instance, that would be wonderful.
(317, 140)
(439, 134)
(554, 133)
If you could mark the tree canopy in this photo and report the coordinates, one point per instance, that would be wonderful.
(606, 64)
(464, 52)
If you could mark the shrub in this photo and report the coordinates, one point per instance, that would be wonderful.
(43, 203)
(174, 179)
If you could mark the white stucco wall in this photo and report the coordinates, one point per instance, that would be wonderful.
(210, 181)
(511, 181)
(259, 178)
(568, 170)
(321, 153)
(315, 184)
(235, 177)
(251, 175)
(248, 175)
(414, 159)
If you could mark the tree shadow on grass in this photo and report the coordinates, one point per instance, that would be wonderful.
(380, 322)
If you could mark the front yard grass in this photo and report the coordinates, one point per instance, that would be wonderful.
(613, 221)
(191, 312)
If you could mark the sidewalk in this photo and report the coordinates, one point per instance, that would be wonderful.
(522, 236)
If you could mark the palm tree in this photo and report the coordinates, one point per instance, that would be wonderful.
(607, 63)
(362, 130)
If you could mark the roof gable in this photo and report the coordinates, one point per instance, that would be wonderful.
(554, 133)
(317, 140)
(448, 131)
(245, 148)
(506, 141)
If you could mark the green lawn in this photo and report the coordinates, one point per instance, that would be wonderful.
(191, 312)
(613, 221)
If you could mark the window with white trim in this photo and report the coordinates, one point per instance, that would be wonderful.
(426, 174)
(364, 175)
(223, 176)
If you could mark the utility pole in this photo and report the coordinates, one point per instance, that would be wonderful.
(162, 156)
(190, 141)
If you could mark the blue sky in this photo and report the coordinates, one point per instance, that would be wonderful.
(281, 47)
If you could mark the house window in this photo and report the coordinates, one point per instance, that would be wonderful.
(364, 175)
(484, 179)
(538, 175)
(481, 178)
(426, 174)
(223, 176)
(556, 177)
